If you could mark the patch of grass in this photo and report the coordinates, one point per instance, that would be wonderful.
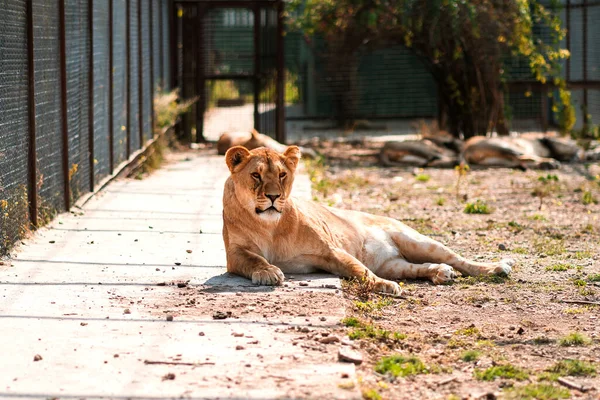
(538, 217)
(399, 365)
(549, 247)
(545, 186)
(588, 198)
(573, 368)
(479, 207)
(440, 201)
(371, 306)
(575, 310)
(507, 371)
(559, 267)
(520, 250)
(469, 331)
(594, 278)
(470, 355)
(492, 279)
(515, 226)
(579, 282)
(582, 255)
(351, 321)
(537, 391)
(574, 339)
(423, 178)
(371, 394)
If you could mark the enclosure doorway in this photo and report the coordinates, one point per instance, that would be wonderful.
(228, 55)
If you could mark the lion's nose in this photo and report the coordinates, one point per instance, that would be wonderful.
(273, 197)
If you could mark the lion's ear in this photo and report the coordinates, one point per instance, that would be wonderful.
(235, 156)
(292, 156)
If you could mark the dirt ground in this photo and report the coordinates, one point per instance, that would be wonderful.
(478, 338)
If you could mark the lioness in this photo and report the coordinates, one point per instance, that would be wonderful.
(267, 232)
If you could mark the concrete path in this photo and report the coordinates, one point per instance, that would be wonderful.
(93, 293)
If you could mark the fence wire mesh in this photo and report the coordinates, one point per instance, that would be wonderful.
(78, 47)
(119, 71)
(56, 166)
(48, 117)
(14, 125)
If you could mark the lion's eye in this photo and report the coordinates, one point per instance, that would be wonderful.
(282, 175)
(255, 175)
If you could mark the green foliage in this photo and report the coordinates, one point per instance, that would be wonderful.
(594, 278)
(168, 107)
(470, 355)
(537, 391)
(468, 46)
(501, 371)
(371, 394)
(479, 207)
(588, 198)
(574, 339)
(399, 365)
(559, 267)
(351, 321)
(422, 177)
(573, 368)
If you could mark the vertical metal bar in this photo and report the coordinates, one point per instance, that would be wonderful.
(91, 93)
(152, 83)
(174, 23)
(585, 56)
(128, 76)
(256, 81)
(200, 74)
(63, 101)
(568, 38)
(140, 76)
(280, 105)
(161, 49)
(111, 89)
(544, 114)
(31, 156)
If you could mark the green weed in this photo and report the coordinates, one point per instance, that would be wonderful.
(574, 339)
(398, 365)
(470, 355)
(501, 371)
(423, 178)
(559, 267)
(479, 207)
(537, 391)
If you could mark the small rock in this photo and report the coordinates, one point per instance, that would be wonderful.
(188, 251)
(177, 263)
(116, 356)
(303, 283)
(346, 354)
(323, 319)
(127, 311)
(161, 284)
(169, 317)
(169, 377)
(237, 334)
(329, 339)
(181, 285)
(201, 334)
(520, 331)
(83, 323)
(221, 315)
(479, 233)
(52, 242)
(239, 347)
(502, 247)
(37, 357)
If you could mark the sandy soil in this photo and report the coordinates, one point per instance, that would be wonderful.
(514, 322)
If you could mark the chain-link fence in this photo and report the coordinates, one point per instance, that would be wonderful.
(386, 88)
(77, 79)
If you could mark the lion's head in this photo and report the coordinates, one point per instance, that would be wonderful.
(263, 179)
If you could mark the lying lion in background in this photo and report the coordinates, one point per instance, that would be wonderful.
(268, 232)
(253, 140)
(530, 150)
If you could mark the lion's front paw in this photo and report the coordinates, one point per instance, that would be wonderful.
(442, 273)
(270, 276)
(385, 286)
(504, 267)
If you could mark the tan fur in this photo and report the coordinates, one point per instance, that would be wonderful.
(298, 236)
(252, 140)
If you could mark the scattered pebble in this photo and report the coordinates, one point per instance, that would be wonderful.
(303, 283)
(178, 263)
(237, 334)
(239, 347)
(181, 284)
(502, 247)
(52, 242)
(169, 317)
(346, 354)
(37, 357)
(188, 251)
(201, 334)
(329, 339)
(161, 284)
(221, 315)
(127, 311)
(83, 323)
(169, 377)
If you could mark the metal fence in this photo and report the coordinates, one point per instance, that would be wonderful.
(77, 81)
(391, 84)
